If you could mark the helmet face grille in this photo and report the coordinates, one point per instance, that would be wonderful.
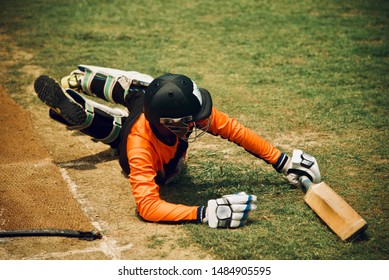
(185, 128)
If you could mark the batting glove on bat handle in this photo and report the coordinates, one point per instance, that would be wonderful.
(300, 164)
(229, 211)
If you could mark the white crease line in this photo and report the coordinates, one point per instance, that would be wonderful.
(73, 164)
(41, 163)
(107, 245)
(2, 220)
(74, 190)
(75, 252)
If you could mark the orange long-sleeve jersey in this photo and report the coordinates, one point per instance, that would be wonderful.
(148, 156)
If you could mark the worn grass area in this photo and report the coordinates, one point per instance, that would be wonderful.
(303, 74)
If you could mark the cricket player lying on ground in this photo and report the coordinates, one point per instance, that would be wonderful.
(151, 137)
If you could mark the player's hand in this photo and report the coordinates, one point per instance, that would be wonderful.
(229, 211)
(301, 164)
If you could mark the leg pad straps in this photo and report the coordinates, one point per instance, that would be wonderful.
(109, 78)
(99, 122)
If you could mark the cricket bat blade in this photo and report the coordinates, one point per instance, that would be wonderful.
(333, 210)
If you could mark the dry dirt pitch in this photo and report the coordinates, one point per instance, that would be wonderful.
(103, 193)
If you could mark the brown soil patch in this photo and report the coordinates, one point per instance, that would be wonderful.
(33, 193)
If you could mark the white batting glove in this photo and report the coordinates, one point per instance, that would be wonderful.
(229, 211)
(301, 164)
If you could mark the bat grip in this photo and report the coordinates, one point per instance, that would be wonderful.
(305, 182)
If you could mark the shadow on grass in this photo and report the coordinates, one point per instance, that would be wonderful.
(89, 162)
(190, 188)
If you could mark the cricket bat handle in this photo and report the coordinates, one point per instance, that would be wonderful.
(333, 209)
(306, 182)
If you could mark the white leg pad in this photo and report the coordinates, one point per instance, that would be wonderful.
(143, 79)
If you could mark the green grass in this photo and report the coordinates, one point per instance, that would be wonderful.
(303, 74)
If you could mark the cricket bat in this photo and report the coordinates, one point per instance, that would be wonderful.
(333, 210)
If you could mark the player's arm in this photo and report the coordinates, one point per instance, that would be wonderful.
(229, 211)
(292, 167)
(146, 192)
(231, 129)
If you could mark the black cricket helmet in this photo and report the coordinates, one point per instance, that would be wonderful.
(175, 101)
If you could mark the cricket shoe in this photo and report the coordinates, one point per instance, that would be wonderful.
(52, 94)
(73, 81)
